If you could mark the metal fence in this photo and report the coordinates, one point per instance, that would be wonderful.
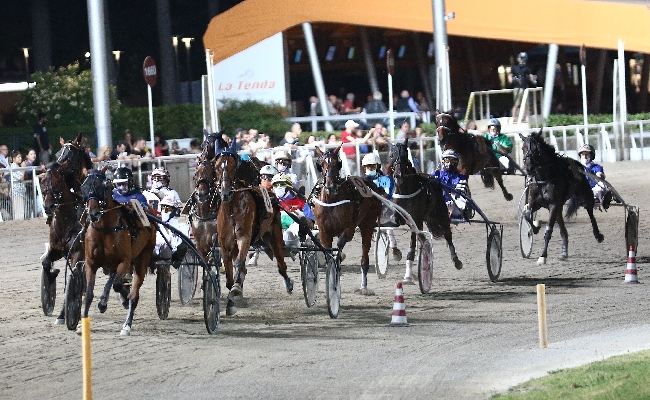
(20, 198)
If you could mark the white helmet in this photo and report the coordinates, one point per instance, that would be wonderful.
(268, 170)
(161, 171)
(171, 201)
(370, 159)
(449, 153)
(282, 180)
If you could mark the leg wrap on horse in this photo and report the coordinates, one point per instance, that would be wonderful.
(410, 256)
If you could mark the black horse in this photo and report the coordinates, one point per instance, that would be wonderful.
(554, 179)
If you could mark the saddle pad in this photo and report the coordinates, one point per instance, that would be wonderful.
(362, 188)
(267, 199)
(137, 207)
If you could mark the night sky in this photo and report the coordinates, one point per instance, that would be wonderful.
(133, 30)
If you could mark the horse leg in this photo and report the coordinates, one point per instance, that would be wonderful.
(497, 175)
(410, 257)
(277, 245)
(90, 286)
(139, 272)
(366, 242)
(565, 237)
(452, 249)
(237, 291)
(552, 217)
(103, 300)
(50, 273)
(594, 226)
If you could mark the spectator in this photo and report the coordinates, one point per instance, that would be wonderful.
(348, 105)
(42, 140)
(379, 135)
(376, 106)
(349, 135)
(161, 148)
(289, 140)
(176, 150)
(104, 154)
(404, 131)
(195, 146)
(120, 152)
(332, 139)
(314, 106)
(18, 189)
(30, 161)
(423, 106)
(406, 103)
(521, 77)
(139, 149)
(4, 152)
(333, 104)
(128, 140)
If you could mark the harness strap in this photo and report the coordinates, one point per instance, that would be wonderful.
(338, 203)
(407, 196)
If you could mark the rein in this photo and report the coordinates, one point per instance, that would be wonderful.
(337, 203)
(407, 196)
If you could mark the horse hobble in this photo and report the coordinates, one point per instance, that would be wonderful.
(339, 209)
(554, 180)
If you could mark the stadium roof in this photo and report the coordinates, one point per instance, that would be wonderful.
(595, 24)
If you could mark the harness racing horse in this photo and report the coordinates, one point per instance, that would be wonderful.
(243, 219)
(554, 179)
(474, 152)
(114, 240)
(339, 208)
(64, 209)
(204, 207)
(422, 198)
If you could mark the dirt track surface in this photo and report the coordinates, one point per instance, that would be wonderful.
(467, 339)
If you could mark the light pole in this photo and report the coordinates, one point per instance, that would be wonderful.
(117, 54)
(26, 54)
(188, 44)
(176, 76)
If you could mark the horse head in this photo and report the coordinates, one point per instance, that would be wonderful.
(54, 188)
(226, 165)
(212, 145)
(96, 191)
(446, 123)
(536, 151)
(330, 166)
(399, 162)
(205, 180)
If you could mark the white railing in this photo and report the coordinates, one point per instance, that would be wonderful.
(397, 117)
(484, 110)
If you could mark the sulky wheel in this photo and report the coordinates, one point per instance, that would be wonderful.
(381, 254)
(333, 286)
(48, 294)
(163, 291)
(211, 294)
(73, 293)
(493, 254)
(309, 276)
(525, 236)
(425, 266)
(188, 277)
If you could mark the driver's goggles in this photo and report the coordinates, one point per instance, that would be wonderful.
(283, 162)
(372, 167)
(266, 177)
(122, 184)
(166, 208)
(157, 178)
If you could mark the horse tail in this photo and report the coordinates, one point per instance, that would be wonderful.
(487, 178)
(572, 207)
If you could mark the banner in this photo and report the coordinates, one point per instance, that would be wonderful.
(256, 73)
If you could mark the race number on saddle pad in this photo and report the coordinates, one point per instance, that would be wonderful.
(267, 199)
(361, 186)
(139, 211)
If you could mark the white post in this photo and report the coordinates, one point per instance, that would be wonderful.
(153, 142)
(550, 79)
(315, 69)
(101, 102)
(622, 98)
(390, 107)
(614, 108)
(584, 96)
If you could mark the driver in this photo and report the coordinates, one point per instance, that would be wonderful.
(450, 176)
(267, 173)
(587, 153)
(283, 163)
(283, 189)
(169, 245)
(125, 190)
(160, 179)
(501, 144)
(371, 164)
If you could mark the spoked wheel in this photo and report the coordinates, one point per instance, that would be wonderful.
(188, 277)
(309, 275)
(73, 293)
(163, 290)
(48, 294)
(523, 200)
(211, 294)
(425, 266)
(381, 254)
(525, 236)
(493, 255)
(333, 286)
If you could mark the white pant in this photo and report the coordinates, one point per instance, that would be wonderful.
(505, 161)
(290, 235)
(599, 192)
(456, 207)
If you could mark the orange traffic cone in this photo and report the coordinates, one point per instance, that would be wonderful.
(399, 309)
(630, 270)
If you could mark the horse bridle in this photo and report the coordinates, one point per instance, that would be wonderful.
(330, 157)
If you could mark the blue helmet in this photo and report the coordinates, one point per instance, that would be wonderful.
(449, 159)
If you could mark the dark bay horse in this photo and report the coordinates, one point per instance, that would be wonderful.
(243, 220)
(339, 208)
(422, 198)
(474, 152)
(554, 179)
(64, 209)
(204, 202)
(115, 239)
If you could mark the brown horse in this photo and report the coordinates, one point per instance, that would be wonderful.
(474, 152)
(244, 220)
(423, 199)
(63, 209)
(204, 205)
(339, 208)
(115, 239)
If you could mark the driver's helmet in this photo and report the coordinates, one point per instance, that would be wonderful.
(282, 180)
(587, 148)
(523, 56)
(123, 180)
(495, 123)
(370, 159)
(267, 172)
(160, 172)
(282, 155)
(170, 204)
(449, 159)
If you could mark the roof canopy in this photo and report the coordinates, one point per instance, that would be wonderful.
(564, 22)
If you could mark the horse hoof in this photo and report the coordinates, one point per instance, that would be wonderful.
(365, 291)
(508, 196)
(289, 286)
(230, 308)
(458, 264)
(126, 331)
(59, 321)
(563, 257)
(541, 261)
(536, 228)
(222, 269)
(101, 307)
(397, 254)
(236, 293)
(78, 331)
(600, 238)
(408, 281)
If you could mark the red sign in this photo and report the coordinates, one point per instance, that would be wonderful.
(150, 73)
(390, 62)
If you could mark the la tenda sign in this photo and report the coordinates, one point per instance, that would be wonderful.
(256, 73)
